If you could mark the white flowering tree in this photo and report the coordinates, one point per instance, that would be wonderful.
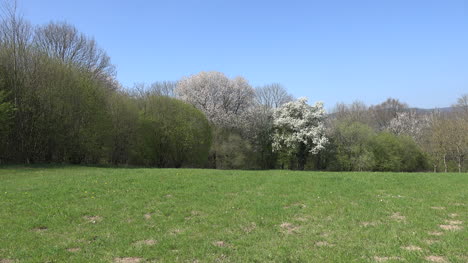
(410, 124)
(226, 103)
(299, 129)
(223, 100)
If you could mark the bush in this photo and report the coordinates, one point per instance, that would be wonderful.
(123, 111)
(350, 147)
(356, 147)
(74, 123)
(231, 151)
(6, 117)
(171, 133)
(397, 153)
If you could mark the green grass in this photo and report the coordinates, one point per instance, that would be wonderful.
(229, 216)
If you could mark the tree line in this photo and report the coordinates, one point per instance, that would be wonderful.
(60, 102)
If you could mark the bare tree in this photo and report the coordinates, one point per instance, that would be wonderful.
(440, 140)
(457, 139)
(462, 106)
(164, 88)
(63, 41)
(272, 95)
(355, 112)
(384, 112)
(15, 39)
(16, 62)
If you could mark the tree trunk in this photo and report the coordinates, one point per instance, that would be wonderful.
(459, 164)
(214, 160)
(301, 156)
(445, 163)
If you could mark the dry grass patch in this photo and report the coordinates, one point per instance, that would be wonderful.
(220, 244)
(93, 219)
(453, 215)
(435, 233)
(438, 207)
(6, 260)
(222, 258)
(147, 216)
(175, 231)
(148, 242)
(398, 217)
(412, 248)
(384, 259)
(128, 260)
(451, 227)
(73, 249)
(249, 228)
(301, 219)
(436, 259)
(40, 229)
(366, 224)
(300, 205)
(289, 228)
(431, 241)
(323, 244)
(454, 222)
(193, 214)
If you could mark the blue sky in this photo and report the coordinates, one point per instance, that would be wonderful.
(332, 51)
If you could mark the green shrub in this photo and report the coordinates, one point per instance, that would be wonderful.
(350, 147)
(397, 153)
(171, 133)
(231, 151)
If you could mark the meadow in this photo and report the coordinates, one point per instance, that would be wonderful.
(89, 214)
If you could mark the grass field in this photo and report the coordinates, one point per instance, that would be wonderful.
(83, 214)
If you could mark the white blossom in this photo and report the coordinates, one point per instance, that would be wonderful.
(409, 123)
(223, 100)
(297, 122)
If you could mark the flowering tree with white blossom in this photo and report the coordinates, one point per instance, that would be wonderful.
(222, 99)
(226, 103)
(299, 129)
(410, 124)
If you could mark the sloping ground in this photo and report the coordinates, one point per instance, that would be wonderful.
(82, 214)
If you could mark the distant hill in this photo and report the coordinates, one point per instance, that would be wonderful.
(443, 110)
(417, 110)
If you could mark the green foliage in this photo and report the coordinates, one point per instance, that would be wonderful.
(231, 151)
(73, 123)
(6, 112)
(6, 120)
(123, 111)
(68, 115)
(171, 133)
(397, 153)
(357, 147)
(351, 147)
(68, 108)
(259, 133)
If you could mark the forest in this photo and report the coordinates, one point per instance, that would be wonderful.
(61, 102)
